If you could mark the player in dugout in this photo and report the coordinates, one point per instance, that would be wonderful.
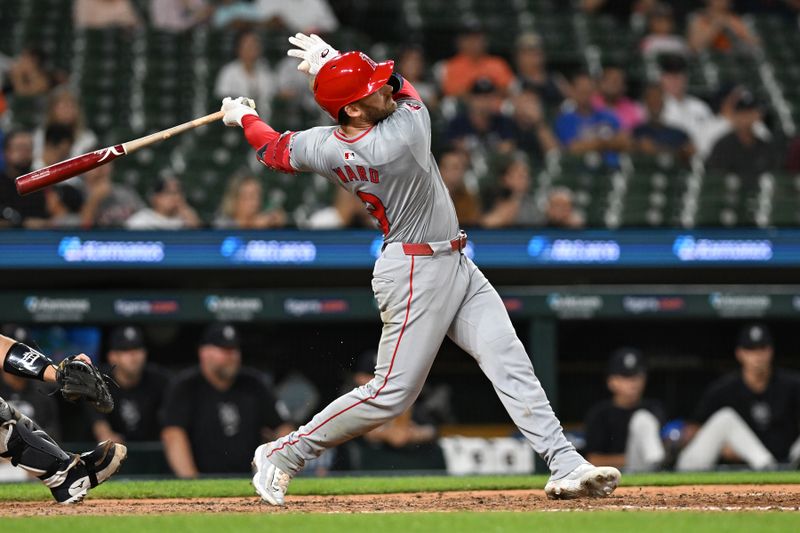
(425, 285)
(69, 476)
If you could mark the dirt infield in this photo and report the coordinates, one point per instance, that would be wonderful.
(704, 497)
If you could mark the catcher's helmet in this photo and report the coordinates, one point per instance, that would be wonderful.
(347, 78)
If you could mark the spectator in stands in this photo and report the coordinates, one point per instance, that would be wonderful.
(216, 414)
(63, 203)
(629, 12)
(654, 136)
(178, 15)
(793, 156)
(28, 75)
(625, 431)
(306, 16)
(242, 206)
(57, 144)
(531, 72)
(249, 74)
(96, 14)
(559, 212)
(682, 110)
(235, 14)
(347, 211)
(453, 166)
(168, 208)
(481, 125)
(64, 110)
(741, 151)
(14, 209)
(511, 202)
(583, 129)
(747, 416)
(411, 65)
(611, 95)
(107, 204)
(718, 28)
(531, 131)
(661, 37)
(139, 397)
(26, 395)
(471, 63)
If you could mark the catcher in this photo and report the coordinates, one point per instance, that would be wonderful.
(68, 476)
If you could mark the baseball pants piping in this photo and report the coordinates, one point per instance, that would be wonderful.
(422, 299)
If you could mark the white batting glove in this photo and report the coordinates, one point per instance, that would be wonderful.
(235, 109)
(312, 51)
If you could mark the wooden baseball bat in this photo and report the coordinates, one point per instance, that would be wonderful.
(58, 172)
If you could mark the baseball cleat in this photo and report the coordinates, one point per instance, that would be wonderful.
(88, 470)
(270, 481)
(586, 481)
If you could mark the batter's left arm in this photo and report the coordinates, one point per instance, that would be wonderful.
(272, 148)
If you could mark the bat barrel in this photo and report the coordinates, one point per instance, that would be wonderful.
(44, 177)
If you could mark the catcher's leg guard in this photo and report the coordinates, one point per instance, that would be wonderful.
(30, 448)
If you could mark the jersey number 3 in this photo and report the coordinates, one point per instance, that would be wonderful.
(376, 209)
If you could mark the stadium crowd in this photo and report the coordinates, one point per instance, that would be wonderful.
(501, 123)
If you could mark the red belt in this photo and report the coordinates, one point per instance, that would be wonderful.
(456, 245)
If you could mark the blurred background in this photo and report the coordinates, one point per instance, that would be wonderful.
(628, 172)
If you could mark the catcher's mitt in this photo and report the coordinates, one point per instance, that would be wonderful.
(78, 379)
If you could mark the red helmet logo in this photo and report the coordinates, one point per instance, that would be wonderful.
(347, 78)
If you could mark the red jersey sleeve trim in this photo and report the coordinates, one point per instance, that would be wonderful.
(272, 148)
(407, 91)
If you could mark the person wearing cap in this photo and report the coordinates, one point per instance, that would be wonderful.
(481, 127)
(168, 208)
(751, 415)
(582, 129)
(140, 394)
(25, 395)
(682, 110)
(743, 151)
(624, 431)
(216, 413)
(530, 64)
(472, 62)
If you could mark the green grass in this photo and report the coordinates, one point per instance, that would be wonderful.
(211, 488)
(598, 521)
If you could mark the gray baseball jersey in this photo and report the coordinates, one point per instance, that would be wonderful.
(391, 168)
(421, 298)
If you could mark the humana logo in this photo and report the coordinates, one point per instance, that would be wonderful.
(687, 248)
(34, 304)
(574, 250)
(73, 250)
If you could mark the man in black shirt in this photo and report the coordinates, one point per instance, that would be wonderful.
(217, 413)
(742, 151)
(141, 391)
(752, 415)
(14, 209)
(625, 430)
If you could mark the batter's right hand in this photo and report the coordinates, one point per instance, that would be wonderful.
(236, 109)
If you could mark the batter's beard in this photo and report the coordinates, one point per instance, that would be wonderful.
(375, 115)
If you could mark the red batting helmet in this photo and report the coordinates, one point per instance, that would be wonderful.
(349, 77)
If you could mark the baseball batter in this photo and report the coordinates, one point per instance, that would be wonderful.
(425, 287)
(68, 476)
